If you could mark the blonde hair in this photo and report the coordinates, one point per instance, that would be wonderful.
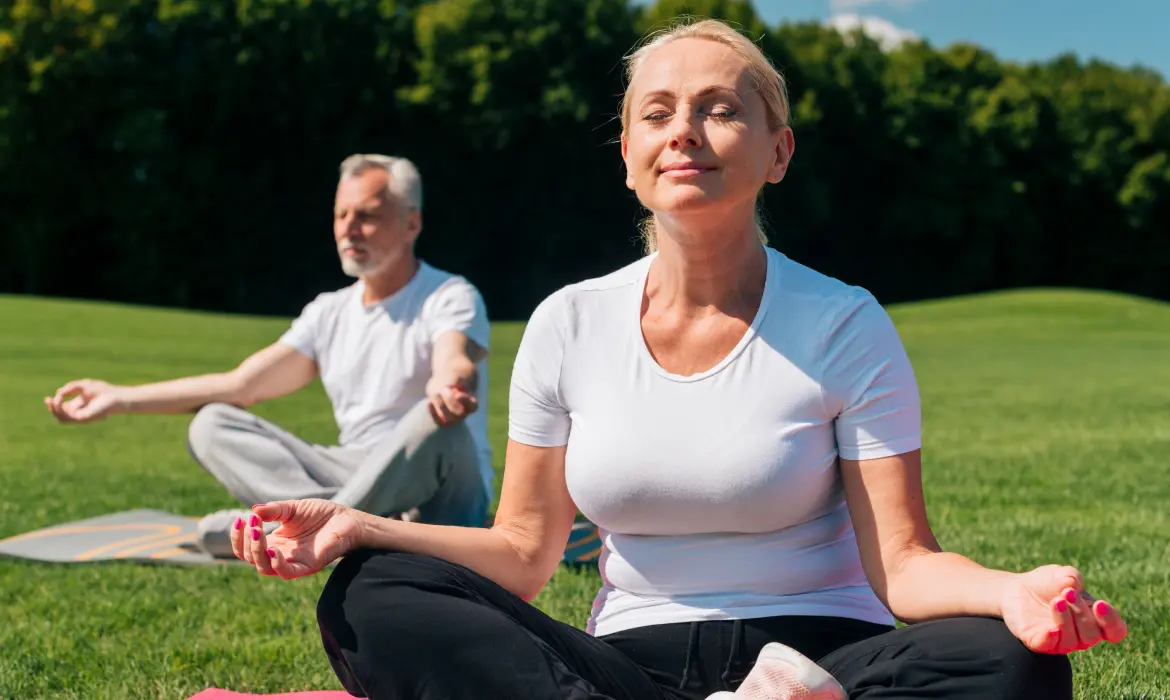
(769, 83)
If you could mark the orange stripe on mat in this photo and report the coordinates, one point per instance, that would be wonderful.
(83, 529)
(586, 540)
(589, 555)
(148, 539)
(167, 540)
(167, 553)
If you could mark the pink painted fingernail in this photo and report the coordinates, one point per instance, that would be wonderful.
(1061, 606)
(238, 524)
(1071, 596)
(1101, 607)
(256, 536)
(271, 553)
(255, 521)
(1054, 631)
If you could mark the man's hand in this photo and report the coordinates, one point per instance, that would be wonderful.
(84, 401)
(450, 403)
(451, 391)
(267, 374)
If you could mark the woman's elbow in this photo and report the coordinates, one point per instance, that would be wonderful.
(537, 563)
(535, 577)
(898, 583)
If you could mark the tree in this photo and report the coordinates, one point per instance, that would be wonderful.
(185, 152)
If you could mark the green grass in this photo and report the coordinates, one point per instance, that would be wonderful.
(1047, 419)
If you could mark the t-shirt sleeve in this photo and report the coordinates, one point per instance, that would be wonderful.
(869, 384)
(537, 414)
(305, 330)
(459, 306)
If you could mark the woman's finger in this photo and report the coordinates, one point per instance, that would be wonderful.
(249, 551)
(259, 546)
(279, 564)
(1066, 639)
(1073, 578)
(276, 512)
(1113, 626)
(1085, 623)
(238, 538)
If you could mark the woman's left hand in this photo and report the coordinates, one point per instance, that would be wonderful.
(1049, 611)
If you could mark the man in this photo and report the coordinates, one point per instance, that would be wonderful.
(401, 354)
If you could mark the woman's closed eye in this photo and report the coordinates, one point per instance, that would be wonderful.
(717, 112)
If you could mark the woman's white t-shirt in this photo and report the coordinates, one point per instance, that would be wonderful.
(718, 495)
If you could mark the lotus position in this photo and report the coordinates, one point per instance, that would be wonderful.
(401, 354)
(745, 432)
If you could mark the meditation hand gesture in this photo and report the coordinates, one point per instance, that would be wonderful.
(1049, 610)
(313, 532)
(83, 401)
(450, 402)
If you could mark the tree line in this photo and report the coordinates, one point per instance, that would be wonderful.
(185, 152)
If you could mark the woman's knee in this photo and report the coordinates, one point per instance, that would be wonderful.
(1018, 671)
(387, 619)
(371, 585)
(1030, 674)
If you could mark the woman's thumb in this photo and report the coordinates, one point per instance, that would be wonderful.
(277, 511)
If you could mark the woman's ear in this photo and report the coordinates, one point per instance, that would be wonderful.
(785, 146)
(626, 161)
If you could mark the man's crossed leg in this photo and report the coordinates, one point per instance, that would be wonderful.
(419, 471)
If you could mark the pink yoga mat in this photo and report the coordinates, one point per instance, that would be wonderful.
(217, 694)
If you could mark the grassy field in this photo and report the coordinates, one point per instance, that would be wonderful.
(1047, 418)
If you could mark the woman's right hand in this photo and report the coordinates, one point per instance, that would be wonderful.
(313, 532)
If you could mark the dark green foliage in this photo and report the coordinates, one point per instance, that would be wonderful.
(184, 152)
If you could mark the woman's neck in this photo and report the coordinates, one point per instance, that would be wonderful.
(720, 265)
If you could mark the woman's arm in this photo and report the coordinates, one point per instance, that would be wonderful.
(520, 551)
(906, 567)
(523, 547)
(1047, 608)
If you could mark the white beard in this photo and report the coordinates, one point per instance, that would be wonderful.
(358, 268)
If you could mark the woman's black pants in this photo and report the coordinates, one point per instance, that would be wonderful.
(406, 627)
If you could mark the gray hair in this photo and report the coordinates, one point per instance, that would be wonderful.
(405, 181)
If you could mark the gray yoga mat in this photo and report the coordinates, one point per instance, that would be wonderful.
(160, 537)
(134, 535)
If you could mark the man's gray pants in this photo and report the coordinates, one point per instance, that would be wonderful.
(420, 468)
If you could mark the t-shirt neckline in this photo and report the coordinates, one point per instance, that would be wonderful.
(360, 286)
(770, 273)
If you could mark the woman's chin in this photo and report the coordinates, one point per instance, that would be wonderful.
(683, 202)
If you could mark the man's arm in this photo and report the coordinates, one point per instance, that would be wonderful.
(454, 377)
(275, 371)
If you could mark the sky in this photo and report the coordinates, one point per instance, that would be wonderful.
(1125, 32)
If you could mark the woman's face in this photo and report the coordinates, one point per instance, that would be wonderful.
(698, 138)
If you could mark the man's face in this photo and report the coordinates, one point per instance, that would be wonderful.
(374, 231)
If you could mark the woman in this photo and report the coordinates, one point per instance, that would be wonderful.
(745, 432)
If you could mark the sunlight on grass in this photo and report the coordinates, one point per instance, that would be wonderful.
(1047, 423)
